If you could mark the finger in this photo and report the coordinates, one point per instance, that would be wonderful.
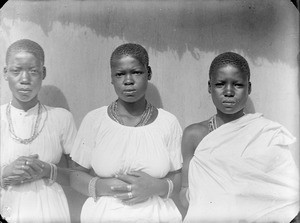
(136, 173)
(125, 178)
(38, 162)
(35, 156)
(127, 187)
(36, 166)
(23, 170)
(133, 201)
(124, 196)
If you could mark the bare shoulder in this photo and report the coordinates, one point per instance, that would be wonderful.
(199, 129)
(194, 133)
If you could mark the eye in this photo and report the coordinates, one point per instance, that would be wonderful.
(239, 85)
(119, 74)
(219, 84)
(33, 72)
(15, 71)
(137, 72)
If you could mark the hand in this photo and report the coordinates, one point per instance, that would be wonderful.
(24, 169)
(141, 187)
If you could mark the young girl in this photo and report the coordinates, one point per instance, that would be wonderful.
(237, 167)
(133, 148)
(33, 139)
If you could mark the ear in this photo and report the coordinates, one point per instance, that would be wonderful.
(5, 75)
(149, 73)
(249, 88)
(209, 87)
(44, 72)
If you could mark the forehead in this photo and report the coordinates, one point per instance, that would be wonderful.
(126, 60)
(23, 57)
(229, 71)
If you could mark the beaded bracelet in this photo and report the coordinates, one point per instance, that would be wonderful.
(2, 180)
(170, 189)
(53, 174)
(92, 188)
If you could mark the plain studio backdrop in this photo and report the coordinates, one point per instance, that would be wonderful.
(182, 38)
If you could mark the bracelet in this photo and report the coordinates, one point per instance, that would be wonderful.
(53, 174)
(4, 183)
(92, 188)
(170, 189)
(187, 195)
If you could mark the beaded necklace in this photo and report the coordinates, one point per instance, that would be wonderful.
(147, 113)
(36, 130)
(212, 123)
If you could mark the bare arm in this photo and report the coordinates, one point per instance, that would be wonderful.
(80, 178)
(192, 136)
(29, 168)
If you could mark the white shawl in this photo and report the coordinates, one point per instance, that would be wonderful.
(244, 172)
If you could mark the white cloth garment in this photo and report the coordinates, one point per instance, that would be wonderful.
(36, 201)
(110, 148)
(244, 172)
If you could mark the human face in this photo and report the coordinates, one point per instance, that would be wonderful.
(24, 73)
(130, 78)
(229, 89)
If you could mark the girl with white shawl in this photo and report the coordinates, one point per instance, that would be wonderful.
(237, 167)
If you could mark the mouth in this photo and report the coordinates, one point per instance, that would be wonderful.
(24, 91)
(129, 92)
(229, 103)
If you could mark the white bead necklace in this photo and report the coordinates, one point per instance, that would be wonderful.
(36, 130)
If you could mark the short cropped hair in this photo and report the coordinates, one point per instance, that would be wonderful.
(131, 49)
(27, 46)
(229, 58)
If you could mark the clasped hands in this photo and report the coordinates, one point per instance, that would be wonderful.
(24, 169)
(139, 187)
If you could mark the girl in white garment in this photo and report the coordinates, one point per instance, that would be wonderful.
(34, 137)
(237, 167)
(132, 147)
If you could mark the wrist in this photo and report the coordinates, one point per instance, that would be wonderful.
(92, 189)
(164, 188)
(4, 171)
(46, 172)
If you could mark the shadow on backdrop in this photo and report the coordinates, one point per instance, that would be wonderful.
(153, 96)
(210, 26)
(52, 96)
(249, 106)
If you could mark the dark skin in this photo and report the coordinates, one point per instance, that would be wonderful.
(129, 77)
(25, 71)
(229, 89)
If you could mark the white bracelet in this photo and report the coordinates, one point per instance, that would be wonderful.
(53, 174)
(170, 189)
(187, 195)
(92, 188)
(3, 180)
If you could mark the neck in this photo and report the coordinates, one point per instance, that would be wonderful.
(132, 108)
(24, 105)
(225, 118)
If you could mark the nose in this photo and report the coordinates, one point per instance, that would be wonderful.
(128, 79)
(229, 91)
(25, 77)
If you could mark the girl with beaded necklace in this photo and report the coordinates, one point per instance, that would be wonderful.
(132, 148)
(33, 139)
(237, 167)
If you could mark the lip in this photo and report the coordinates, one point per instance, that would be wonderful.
(24, 90)
(129, 91)
(229, 103)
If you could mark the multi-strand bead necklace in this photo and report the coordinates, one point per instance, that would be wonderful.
(36, 130)
(114, 114)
